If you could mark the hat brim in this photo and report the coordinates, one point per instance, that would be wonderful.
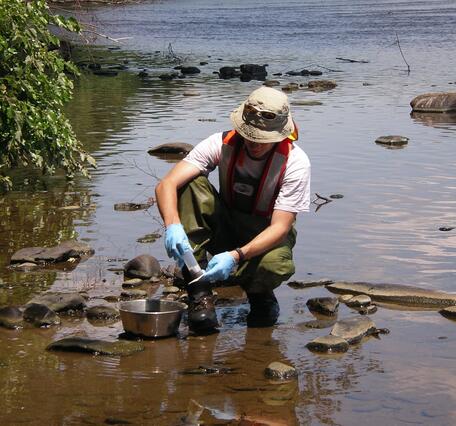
(254, 134)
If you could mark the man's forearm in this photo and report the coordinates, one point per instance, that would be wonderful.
(166, 196)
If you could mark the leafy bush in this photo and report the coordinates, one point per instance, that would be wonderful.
(33, 88)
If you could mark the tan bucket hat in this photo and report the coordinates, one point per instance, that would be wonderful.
(264, 117)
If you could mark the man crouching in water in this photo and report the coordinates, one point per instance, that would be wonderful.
(247, 227)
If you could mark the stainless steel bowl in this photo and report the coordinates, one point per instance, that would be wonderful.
(151, 317)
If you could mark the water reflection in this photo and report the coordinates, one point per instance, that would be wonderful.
(439, 120)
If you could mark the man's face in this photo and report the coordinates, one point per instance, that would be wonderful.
(258, 150)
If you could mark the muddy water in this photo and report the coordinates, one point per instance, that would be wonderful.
(385, 229)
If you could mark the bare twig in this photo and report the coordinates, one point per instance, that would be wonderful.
(320, 201)
(361, 61)
(402, 54)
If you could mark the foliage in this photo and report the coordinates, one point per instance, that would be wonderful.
(34, 86)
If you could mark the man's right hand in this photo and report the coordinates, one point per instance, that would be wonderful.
(176, 242)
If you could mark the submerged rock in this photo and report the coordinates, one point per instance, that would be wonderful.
(171, 148)
(290, 87)
(395, 293)
(149, 238)
(323, 305)
(308, 284)
(190, 70)
(95, 346)
(191, 93)
(60, 253)
(304, 102)
(143, 266)
(102, 312)
(318, 323)
(392, 140)
(40, 315)
(129, 207)
(328, 344)
(434, 102)
(271, 83)
(212, 370)
(10, 317)
(133, 294)
(61, 302)
(321, 85)
(280, 371)
(354, 329)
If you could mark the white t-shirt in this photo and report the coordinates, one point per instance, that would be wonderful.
(294, 194)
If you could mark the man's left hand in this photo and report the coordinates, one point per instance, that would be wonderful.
(219, 267)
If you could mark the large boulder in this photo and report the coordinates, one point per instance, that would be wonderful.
(253, 72)
(60, 253)
(143, 266)
(228, 72)
(434, 102)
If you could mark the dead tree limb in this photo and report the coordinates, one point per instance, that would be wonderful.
(402, 53)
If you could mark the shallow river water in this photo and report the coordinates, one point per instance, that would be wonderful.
(385, 229)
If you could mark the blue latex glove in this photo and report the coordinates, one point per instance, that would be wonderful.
(219, 267)
(176, 242)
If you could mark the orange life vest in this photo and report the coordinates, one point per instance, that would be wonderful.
(270, 181)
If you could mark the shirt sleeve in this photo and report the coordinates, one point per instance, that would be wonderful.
(206, 155)
(294, 194)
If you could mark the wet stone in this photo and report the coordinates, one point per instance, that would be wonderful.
(336, 196)
(171, 148)
(359, 301)
(446, 228)
(353, 329)
(321, 85)
(133, 282)
(434, 102)
(190, 70)
(60, 253)
(323, 305)
(280, 371)
(328, 344)
(102, 312)
(271, 83)
(95, 346)
(171, 289)
(133, 294)
(10, 317)
(60, 302)
(392, 140)
(226, 73)
(143, 266)
(368, 310)
(298, 285)
(131, 207)
(40, 315)
(449, 312)
(304, 102)
(111, 298)
(319, 323)
(290, 87)
(344, 298)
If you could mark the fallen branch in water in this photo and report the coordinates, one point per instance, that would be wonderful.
(320, 201)
(361, 61)
(402, 54)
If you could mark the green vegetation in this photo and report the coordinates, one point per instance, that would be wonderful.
(34, 86)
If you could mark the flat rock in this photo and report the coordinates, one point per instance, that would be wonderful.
(392, 140)
(434, 102)
(298, 285)
(396, 294)
(133, 294)
(323, 305)
(10, 317)
(129, 207)
(60, 302)
(449, 312)
(328, 344)
(40, 315)
(143, 266)
(359, 301)
(321, 85)
(171, 289)
(60, 253)
(304, 102)
(95, 346)
(171, 148)
(133, 282)
(353, 329)
(102, 312)
(271, 83)
(280, 371)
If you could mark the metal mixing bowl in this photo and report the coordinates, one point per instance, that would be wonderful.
(151, 317)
